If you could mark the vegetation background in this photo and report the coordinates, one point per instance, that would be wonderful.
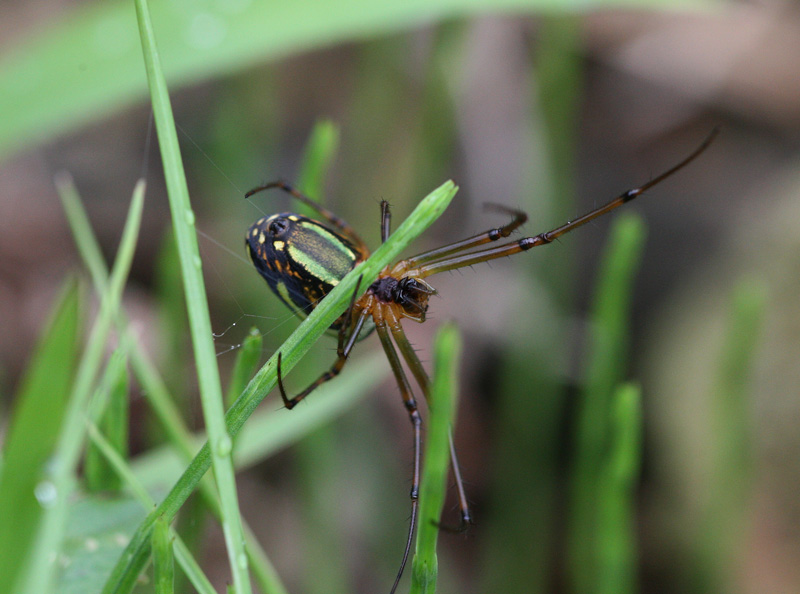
(551, 107)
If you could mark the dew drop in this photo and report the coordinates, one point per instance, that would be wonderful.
(190, 217)
(198, 263)
(242, 561)
(46, 494)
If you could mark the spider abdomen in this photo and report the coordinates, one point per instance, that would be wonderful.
(301, 259)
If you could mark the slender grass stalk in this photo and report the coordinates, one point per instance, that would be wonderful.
(616, 532)
(113, 421)
(59, 474)
(124, 575)
(197, 305)
(433, 483)
(32, 432)
(607, 356)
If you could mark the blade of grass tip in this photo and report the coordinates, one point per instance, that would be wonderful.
(320, 151)
(158, 395)
(59, 474)
(616, 532)
(433, 483)
(126, 475)
(33, 429)
(722, 527)
(245, 365)
(113, 421)
(133, 559)
(153, 385)
(163, 562)
(607, 354)
(183, 219)
(82, 230)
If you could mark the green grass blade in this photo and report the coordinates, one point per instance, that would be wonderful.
(200, 41)
(78, 221)
(61, 468)
(607, 357)
(33, 431)
(319, 154)
(196, 303)
(433, 483)
(429, 209)
(616, 533)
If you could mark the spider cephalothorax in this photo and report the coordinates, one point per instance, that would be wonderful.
(410, 294)
(303, 259)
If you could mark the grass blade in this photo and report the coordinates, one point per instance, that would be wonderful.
(98, 476)
(202, 42)
(433, 483)
(33, 431)
(607, 357)
(196, 304)
(616, 533)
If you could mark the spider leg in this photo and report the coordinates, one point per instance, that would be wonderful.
(415, 365)
(386, 221)
(481, 238)
(439, 262)
(334, 220)
(416, 421)
(345, 345)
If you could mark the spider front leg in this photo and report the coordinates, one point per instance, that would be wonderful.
(448, 258)
(344, 346)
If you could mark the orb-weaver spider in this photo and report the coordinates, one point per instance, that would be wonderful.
(303, 259)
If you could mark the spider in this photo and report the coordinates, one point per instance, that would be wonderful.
(303, 259)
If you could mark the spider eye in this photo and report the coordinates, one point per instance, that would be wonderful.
(278, 226)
